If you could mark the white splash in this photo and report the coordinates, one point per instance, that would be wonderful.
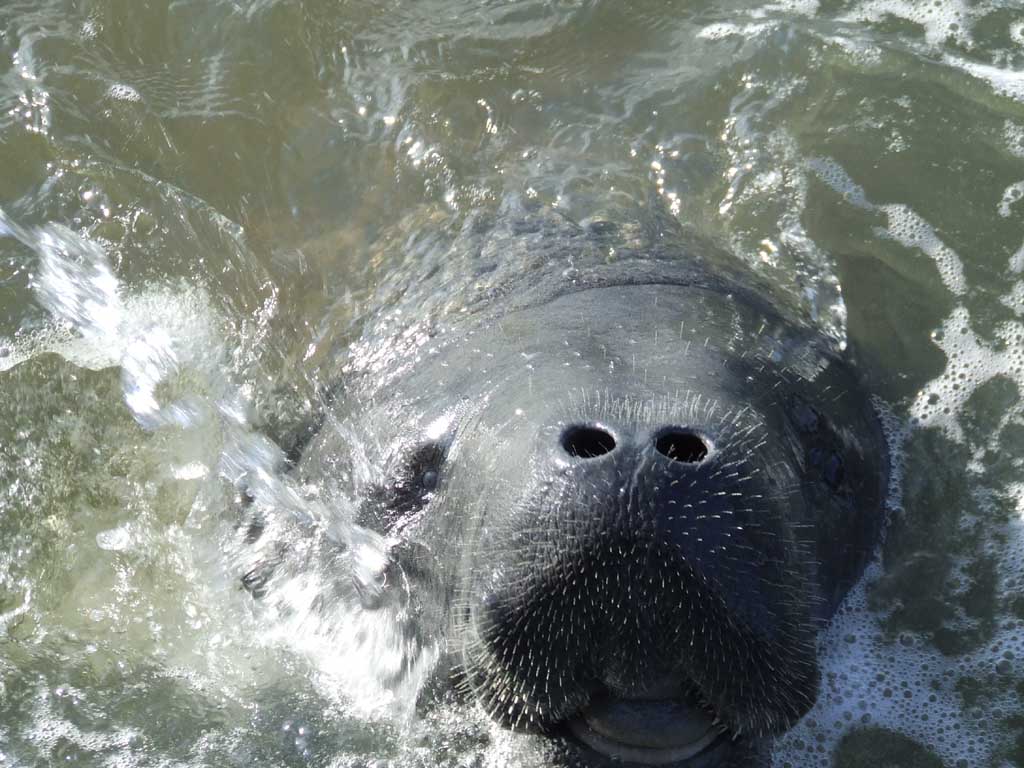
(170, 347)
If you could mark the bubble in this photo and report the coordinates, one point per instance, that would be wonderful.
(115, 540)
(833, 174)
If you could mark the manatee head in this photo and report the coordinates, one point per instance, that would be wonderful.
(636, 495)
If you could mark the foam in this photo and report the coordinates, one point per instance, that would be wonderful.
(917, 683)
(941, 22)
(911, 230)
(1011, 196)
(58, 338)
(723, 30)
(49, 729)
(1014, 300)
(868, 681)
(1005, 82)
(123, 92)
(970, 363)
(1014, 135)
(902, 224)
(833, 174)
(908, 686)
(948, 20)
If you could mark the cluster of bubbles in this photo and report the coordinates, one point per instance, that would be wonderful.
(905, 687)
(909, 687)
(940, 21)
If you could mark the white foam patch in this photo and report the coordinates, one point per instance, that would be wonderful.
(1011, 196)
(911, 230)
(902, 224)
(50, 727)
(833, 174)
(1017, 261)
(1014, 135)
(1014, 300)
(941, 21)
(1005, 82)
(970, 363)
(1017, 32)
(123, 92)
(905, 686)
(115, 540)
(1013, 577)
(59, 339)
(724, 30)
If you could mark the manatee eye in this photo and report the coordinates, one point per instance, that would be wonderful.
(819, 437)
(833, 470)
(413, 479)
(417, 477)
(807, 418)
(829, 464)
(430, 479)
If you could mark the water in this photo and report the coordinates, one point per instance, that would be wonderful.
(192, 192)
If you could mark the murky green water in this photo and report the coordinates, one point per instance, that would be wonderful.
(222, 171)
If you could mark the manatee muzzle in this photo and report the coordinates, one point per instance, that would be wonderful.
(648, 732)
(655, 728)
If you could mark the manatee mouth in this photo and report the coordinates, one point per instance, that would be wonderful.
(645, 731)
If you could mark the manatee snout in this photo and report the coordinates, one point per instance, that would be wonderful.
(638, 598)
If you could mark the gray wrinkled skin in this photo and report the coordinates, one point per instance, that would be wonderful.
(553, 579)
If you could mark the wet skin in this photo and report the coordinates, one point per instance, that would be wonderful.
(628, 495)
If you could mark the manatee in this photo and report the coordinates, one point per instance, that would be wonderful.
(624, 486)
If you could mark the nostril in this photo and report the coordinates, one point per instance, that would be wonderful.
(680, 445)
(587, 442)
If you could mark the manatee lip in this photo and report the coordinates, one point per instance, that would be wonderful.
(645, 731)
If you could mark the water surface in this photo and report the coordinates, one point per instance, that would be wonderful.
(191, 192)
